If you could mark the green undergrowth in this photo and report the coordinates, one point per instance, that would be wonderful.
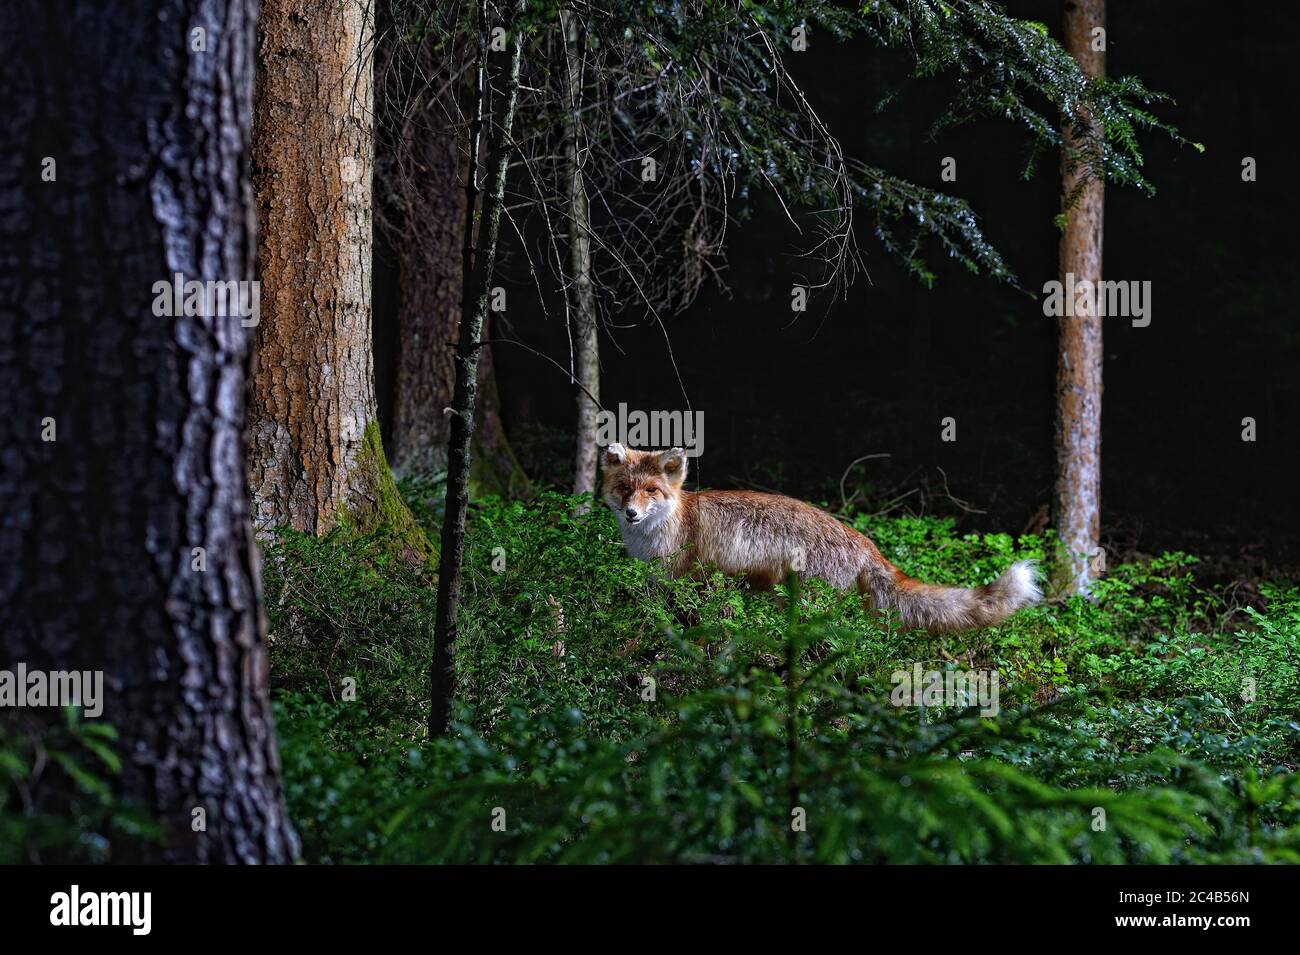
(609, 714)
(57, 800)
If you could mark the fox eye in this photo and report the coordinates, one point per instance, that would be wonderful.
(652, 490)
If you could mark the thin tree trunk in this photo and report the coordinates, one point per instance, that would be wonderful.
(316, 455)
(126, 544)
(581, 294)
(479, 262)
(1079, 366)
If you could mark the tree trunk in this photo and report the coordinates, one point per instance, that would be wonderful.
(425, 219)
(105, 514)
(428, 221)
(316, 455)
(581, 295)
(1079, 365)
(479, 262)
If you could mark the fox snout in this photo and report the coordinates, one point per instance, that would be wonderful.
(641, 505)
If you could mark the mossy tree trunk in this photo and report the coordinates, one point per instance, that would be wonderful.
(479, 263)
(1079, 350)
(315, 455)
(127, 546)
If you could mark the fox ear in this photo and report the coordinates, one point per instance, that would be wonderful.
(615, 455)
(673, 463)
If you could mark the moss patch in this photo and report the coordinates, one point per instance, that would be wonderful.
(376, 505)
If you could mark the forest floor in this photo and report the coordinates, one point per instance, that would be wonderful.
(608, 715)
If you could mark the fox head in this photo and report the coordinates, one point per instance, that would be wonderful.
(642, 487)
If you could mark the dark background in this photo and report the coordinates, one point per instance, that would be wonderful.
(789, 401)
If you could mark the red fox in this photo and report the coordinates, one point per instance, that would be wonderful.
(767, 536)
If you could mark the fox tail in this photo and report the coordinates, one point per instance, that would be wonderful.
(942, 609)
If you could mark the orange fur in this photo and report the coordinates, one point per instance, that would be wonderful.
(765, 537)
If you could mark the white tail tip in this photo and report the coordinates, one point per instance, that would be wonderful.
(1021, 582)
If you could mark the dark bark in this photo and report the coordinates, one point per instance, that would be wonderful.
(425, 225)
(479, 262)
(99, 525)
(1079, 350)
(423, 170)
